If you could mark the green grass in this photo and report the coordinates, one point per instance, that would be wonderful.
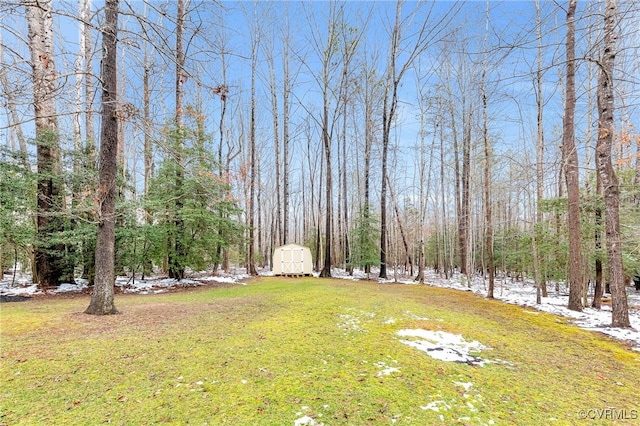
(275, 350)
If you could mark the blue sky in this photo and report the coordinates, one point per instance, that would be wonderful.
(509, 80)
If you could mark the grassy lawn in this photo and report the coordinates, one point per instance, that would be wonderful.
(276, 350)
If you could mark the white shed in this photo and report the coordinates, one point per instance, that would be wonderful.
(292, 259)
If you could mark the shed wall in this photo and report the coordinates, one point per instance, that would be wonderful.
(292, 259)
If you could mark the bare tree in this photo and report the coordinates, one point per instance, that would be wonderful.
(14, 120)
(286, 90)
(273, 88)
(610, 185)
(251, 268)
(102, 297)
(427, 33)
(570, 157)
(329, 51)
(541, 288)
(487, 165)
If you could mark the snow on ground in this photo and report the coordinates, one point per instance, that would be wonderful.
(23, 286)
(519, 292)
(304, 420)
(523, 293)
(444, 346)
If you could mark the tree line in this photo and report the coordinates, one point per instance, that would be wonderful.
(483, 138)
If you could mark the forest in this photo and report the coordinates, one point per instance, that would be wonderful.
(165, 137)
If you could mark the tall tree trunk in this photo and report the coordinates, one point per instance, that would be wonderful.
(541, 287)
(88, 83)
(368, 142)
(273, 86)
(147, 265)
(620, 310)
(286, 89)
(329, 51)
(326, 139)
(465, 197)
(447, 262)
(102, 297)
(177, 248)
(251, 267)
(388, 113)
(487, 169)
(345, 212)
(572, 176)
(88, 247)
(221, 253)
(386, 124)
(598, 290)
(48, 255)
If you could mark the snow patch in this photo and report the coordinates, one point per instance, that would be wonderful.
(436, 406)
(444, 346)
(386, 370)
(466, 386)
(305, 420)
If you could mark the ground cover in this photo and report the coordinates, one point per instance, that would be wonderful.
(307, 351)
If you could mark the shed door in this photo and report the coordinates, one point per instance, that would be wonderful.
(292, 260)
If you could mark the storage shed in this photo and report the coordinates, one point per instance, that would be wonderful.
(292, 259)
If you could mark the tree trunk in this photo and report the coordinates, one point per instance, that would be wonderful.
(465, 198)
(102, 297)
(345, 212)
(368, 142)
(176, 258)
(403, 236)
(147, 265)
(251, 267)
(620, 310)
(541, 287)
(572, 176)
(598, 290)
(326, 269)
(327, 142)
(273, 86)
(285, 138)
(89, 154)
(88, 83)
(386, 122)
(487, 170)
(48, 255)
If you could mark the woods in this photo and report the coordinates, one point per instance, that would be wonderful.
(391, 137)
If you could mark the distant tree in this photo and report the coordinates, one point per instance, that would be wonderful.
(401, 57)
(11, 104)
(17, 195)
(102, 296)
(364, 252)
(328, 53)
